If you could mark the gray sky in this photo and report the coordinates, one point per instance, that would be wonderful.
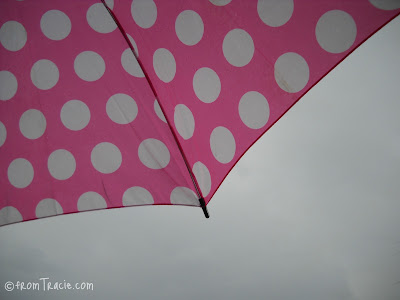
(310, 212)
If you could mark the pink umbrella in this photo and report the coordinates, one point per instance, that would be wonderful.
(121, 103)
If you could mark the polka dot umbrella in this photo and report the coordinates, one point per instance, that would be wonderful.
(108, 104)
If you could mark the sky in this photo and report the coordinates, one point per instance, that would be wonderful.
(310, 212)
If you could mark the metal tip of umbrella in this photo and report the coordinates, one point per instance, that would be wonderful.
(204, 207)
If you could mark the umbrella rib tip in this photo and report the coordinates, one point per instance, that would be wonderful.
(204, 207)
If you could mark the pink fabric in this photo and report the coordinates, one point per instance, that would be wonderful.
(223, 74)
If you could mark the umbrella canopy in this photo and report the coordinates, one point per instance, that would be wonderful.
(120, 103)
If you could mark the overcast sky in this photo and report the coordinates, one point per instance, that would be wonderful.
(312, 211)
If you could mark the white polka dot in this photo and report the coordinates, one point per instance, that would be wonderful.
(189, 27)
(106, 158)
(158, 111)
(110, 3)
(61, 164)
(44, 74)
(48, 207)
(135, 47)
(121, 109)
(254, 110)
(32, 124)
(20, 173)
(144, 12)
(223, 145)
(386, 4)
(90, 201)
(238, 47)
(75, 115)
(137, 196)
(130, 64)
(89, 66)
(184, 196)
(100, 19)
(154, 154)
(203, 177)
(206, 85)
(336, 31)
(9, 214)
(13, 36)
(275, 13)
(164, 65)
(3, 134)
(220, 2)
(184, 121)
(55, 25)
(8, 85)
(291, 72)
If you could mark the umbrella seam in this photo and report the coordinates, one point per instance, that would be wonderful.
(193, 178)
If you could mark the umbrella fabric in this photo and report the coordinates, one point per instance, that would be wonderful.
(81, 128)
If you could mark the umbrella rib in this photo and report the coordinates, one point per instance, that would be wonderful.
(195, 183)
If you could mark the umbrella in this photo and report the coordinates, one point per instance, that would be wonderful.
(120, 103)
